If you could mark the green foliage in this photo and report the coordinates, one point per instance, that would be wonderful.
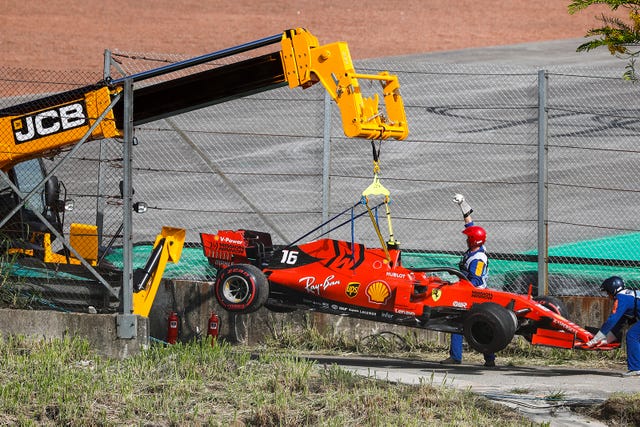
(620, 37)
(10, 294)
(577, 5)
(557, 395)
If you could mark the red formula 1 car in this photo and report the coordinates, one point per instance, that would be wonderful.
(349, 279)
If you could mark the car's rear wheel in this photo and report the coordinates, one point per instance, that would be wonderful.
(242, 288)
(489, 327)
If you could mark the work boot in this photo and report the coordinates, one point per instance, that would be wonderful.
(489, 364)
(450, 361)
(631, 374)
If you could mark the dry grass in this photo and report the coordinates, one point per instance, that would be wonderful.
(63, 383)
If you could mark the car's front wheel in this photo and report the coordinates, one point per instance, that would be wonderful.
(489, 327)
(242, 288)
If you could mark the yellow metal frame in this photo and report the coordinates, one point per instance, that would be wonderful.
(306, 63)
(82, 237)
(173, 243)
(96, 102)
(377, 189)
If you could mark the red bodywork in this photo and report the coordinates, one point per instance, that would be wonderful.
(347, 278)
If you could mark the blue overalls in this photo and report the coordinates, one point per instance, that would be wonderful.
(625, 307)
(474, 265)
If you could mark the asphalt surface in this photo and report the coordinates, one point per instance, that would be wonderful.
(555, 53)
(543, 394)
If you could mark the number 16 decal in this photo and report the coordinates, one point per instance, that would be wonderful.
(289, 257)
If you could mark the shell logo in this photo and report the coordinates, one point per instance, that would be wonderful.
(378, 292)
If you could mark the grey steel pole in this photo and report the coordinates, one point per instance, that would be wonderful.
(100, 202)
(326, 160)
(543, 244)
(126, 322)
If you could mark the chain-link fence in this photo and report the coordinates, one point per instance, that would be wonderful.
(278, 162)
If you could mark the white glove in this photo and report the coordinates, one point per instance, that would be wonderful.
(611, 337)
(464, 206)
(599, 338)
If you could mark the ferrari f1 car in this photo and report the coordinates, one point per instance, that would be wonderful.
(349, 279)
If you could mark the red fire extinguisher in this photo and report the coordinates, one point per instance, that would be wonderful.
(214, 327)
(172, 330)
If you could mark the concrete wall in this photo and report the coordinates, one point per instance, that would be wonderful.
(194, 303)
(99, 329)
(588, 311)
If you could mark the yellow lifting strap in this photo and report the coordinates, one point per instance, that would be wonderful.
(377, 189)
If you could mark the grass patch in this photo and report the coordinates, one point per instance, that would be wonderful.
(621, 409)
(520, 390)
(304, 338)
(62, 382)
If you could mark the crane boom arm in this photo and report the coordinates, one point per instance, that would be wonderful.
(45, 126)
(306, 62)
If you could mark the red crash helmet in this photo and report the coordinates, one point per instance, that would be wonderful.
(476, 236)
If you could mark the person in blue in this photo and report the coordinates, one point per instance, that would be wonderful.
(475, 266)
(624, 311)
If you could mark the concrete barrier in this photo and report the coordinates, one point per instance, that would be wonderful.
(194, 302)
(100, 330)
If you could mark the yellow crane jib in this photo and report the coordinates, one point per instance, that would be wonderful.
(306, 63)
(167, 248)
(43, 127)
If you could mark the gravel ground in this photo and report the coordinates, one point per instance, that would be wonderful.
(64, 35)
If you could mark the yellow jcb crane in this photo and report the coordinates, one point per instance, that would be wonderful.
(42, 128)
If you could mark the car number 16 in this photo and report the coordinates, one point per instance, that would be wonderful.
(289, 257)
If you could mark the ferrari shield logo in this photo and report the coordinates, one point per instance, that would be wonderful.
(352, 289)
(436, 294)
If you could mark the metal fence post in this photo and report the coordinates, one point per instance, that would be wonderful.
(126, 322)
(100, 202)
(326, 160)
(542, 183)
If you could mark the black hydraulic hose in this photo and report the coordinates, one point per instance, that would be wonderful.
(111, 242)
(143, 275)
(376, 154)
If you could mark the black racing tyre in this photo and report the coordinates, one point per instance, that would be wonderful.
(489, 327)
(554, 304)
(242, 288)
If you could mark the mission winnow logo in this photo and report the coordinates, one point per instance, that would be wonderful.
(58, 119)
